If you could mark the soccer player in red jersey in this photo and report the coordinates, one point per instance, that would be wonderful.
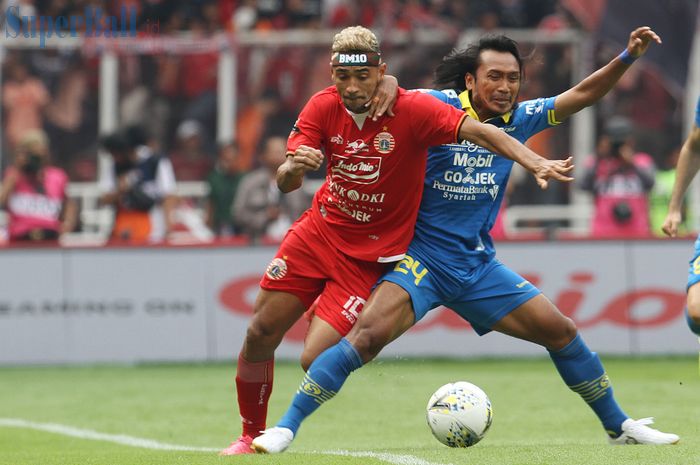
(361, 218)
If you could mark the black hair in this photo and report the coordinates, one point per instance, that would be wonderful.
(456, 64)
(135, 136)
(114, 143)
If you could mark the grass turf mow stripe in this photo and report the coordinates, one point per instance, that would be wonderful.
(131, 441)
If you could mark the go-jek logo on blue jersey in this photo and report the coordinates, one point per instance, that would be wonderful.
(464, 185)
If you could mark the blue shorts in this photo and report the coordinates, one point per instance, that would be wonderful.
(694, 269)
(482, 296)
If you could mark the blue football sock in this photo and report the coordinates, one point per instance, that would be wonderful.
(694, 327)
(582, 371)
(324, 379)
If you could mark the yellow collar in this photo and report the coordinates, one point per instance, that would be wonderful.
(467, 107)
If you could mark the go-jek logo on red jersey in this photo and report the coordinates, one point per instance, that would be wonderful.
(354, 168)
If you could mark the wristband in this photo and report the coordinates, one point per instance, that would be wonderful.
(626, 58)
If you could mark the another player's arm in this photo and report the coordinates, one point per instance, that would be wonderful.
(290, 174)
(69, 216)
(497, 141)
(687, 168)
(595, 86)
(384, 98)
(8, 186)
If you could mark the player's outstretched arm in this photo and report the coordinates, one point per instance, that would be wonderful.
(688, 165)
(595, 86)
(290, 174)
(497, 141)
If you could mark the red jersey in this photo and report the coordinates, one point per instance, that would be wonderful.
(368, 204)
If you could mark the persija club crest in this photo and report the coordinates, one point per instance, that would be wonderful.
(277, 269)
(384, 142)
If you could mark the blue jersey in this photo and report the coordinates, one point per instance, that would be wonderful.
(465, 184)
(697, 114)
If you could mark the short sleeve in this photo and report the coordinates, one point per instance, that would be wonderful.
(307, 129)
(697, 114)
(536, 115)
(434, 121)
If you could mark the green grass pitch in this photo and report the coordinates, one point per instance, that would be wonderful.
(378, 417)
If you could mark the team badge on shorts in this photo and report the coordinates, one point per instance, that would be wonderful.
(277, 269)
(384, 142)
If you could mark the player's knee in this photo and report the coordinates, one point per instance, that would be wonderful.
(694, 312)
(307, 358)
(565, 332)
(368, 342)
(261, 334)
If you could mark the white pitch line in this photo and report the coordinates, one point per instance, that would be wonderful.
(384, 457)
(97, 436)
(132, 441)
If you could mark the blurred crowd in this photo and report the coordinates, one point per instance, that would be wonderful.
(240, 15)
(51, 96)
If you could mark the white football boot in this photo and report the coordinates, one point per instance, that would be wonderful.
(637, 432)
(273, 441)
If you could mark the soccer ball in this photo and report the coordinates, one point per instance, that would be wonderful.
(459, 414)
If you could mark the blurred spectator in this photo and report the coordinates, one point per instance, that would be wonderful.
(223, 183)
(260, 209)
(65, 117)
(23, 98)
(620, 179)
(265, 117)
(198, 76)
(270, 15)
(660, 196)
(189, 159)
(640, 89)
(245, 16)
(303, 13)
(140, 184)
(341, 13)
(34, 193)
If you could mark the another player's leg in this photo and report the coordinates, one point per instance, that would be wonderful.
(291, 283)
(387, 314)
(539, 321)
(274, 314)
(320, 336)
(692, 311)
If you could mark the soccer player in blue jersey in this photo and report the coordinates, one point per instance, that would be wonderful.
(687, 168)
(451, 260)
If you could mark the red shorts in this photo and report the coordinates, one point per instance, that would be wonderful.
(308, 266)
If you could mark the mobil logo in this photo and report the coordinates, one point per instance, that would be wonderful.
(468, 160)
(354, 168)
